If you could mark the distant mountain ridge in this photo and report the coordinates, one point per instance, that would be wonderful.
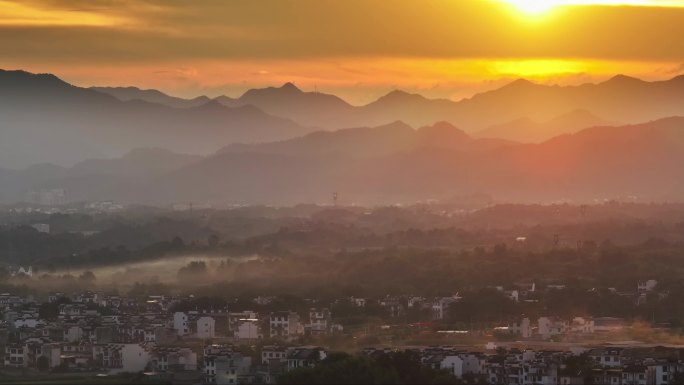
(44, 119)
(528, 130)
(596, 163)
(365, 142)
(244, 153)
(153, 96)
(388, 164)
(619, 99)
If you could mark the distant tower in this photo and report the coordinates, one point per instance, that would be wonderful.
(556, 240)
(335, 199)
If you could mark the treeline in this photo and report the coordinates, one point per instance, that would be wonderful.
(161, 237)
(383, 368)
(595, 279)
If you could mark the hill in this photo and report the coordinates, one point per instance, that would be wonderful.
(597, 163)
(619, 99)
(528, 130)
(44, 119)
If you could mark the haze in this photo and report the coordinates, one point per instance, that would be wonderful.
(342, 191)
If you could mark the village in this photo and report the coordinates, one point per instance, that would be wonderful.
(102, 335)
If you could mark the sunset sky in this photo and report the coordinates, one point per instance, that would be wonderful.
(358, 49)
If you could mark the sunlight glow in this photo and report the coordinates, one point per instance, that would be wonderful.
(537, 7)
(538, 68)
(533, 7)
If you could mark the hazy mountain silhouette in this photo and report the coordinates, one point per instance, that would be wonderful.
(528, 130)
(141, 162)
(600, 162)
(391, 163)
(596, 163)
(370, 141)
(97, 179)
(44, 119)
(153, 96)
(619, 99)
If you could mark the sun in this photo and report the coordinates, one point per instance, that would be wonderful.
(534, 7)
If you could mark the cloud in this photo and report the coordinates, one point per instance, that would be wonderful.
(138, 31)
(30, 15)
(335, 45)
(677, 70)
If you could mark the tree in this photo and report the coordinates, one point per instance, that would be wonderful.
(50, 310)
(177, 243)
(193, 270)
(581, 366)
(213, 241)
(87, 277)
(43, 364)
(386, 368)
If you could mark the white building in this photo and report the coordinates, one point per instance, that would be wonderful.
(454, 364)
(607, 357)
(358, 302)
(122, 358)
(646, 286)
(522, 328)
(15, 355)
(473, 363)
(180, 323)
(271, 353)
(244, 325)
(285, 325)
(21, 271)
(222, 365)
(248, 330)
(319, 321)
(173, 358)
(582, 325)
(552, 326)
(664, 372)
(305, 357)
(73, 334)
(635, 375)
(440, 306)
(205, 327)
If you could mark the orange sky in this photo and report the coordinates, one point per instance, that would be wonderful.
(358, 49)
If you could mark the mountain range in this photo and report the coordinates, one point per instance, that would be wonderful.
(142, 146)
(386, 164)
(527, 130)
(619, 99)
(44, 119)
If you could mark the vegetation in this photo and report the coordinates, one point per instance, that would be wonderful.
(386, 368)
(324, 255)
